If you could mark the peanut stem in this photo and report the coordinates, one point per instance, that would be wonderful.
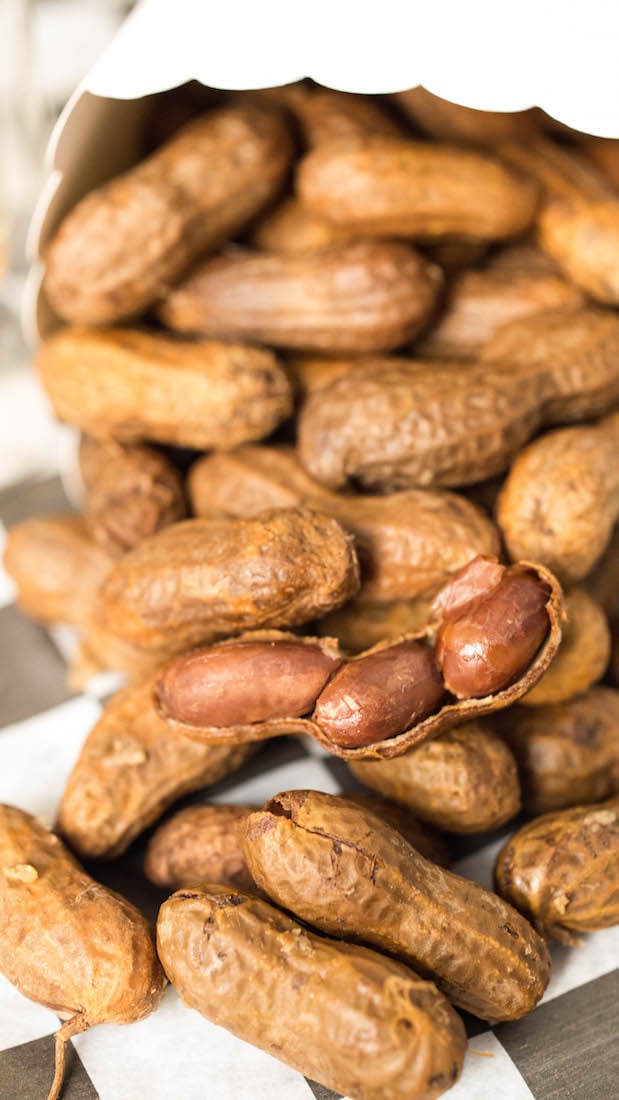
(72, 1027)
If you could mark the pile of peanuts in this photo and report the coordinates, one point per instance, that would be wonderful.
(414, 305)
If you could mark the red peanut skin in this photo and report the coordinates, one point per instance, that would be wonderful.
(484, 647)
(380, 695)
(249, 682)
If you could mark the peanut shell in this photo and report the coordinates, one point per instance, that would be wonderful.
(583, 655)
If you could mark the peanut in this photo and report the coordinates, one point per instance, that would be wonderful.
(326, 115)
(359, 1023)
(562, 870)
(387, 187)
(130, 769)
(359, 297)
(67, 942)
(248, 682)
(203, 579)
(444, 424)
(602, 583)
(583, 655)
(567, 753)
(430, 843)
(199, 844)
(339, 868)
(130, 492)
(406, 541)
(292, 230)
(604, 152)
(447, 121)
(134, 385)
(359, 625)
(126, 242)
(560, 501)
(57, 567)
(464, 781)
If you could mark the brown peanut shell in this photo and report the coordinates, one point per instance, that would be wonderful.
(205, 579)
(126, 242)
(350, 875)
(446, 121)
(604, 152)
(406, 542)
(386, 187)
(347, 1017)
(57, 568)
(361, 296)
(135, 385)
(66, 941)
(562, 870)
(602, 583)
(582, 658)
(560, 500)
(130, 492)
(451, 714)
(567, 753)
(464, 781)
(359, 625)
(292, 230)
(199, 844)
(130, 769)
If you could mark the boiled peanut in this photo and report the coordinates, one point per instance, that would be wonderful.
(361, 296)
(133, 385)
(560, 500)
(602, 583)
(387, 187)
(359, 625)
(357, 1022)
(567, 753)
(247, 682)
(583, 655)
(199, 844)
(130, 769)
(129, 492)
(292, 230)
(327, 115)
(341, 870)
(406, 541)
(604, 152)
(121, 247)
(203, 579)
(562, 870)
(487, 643)
(56, 566)
(424, 839)
(447, 121)
(464, 781)
(480, 302)
(67, 942)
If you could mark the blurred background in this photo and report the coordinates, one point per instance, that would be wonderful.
(46, 47)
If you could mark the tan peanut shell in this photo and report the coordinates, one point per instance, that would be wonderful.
(347, 1017)
(292, 230)
(359, 625)
(57, 567)
(419, 835)
(604, 152)
(446, 121)
(560, 501)
(480, 302)
(199, 844)
(66, 941)
(130, 492)
(406, 541)
(464, 781)
(130, 769)
(430, 423)
(386, 187)
(204, 579)
(126, 242)
(452, 713)
(311, 372)
(562, 870)
(602, 583)
(328, 115)
(350, 875)
(567, 753)
(360, 296)
(136, 385)
(583, 655)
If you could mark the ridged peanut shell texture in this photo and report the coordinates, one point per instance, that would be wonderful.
(135, 385)
(386, 187)
(199, 844)
(560, 501)
(562, 870)
(358, 1023)
(341, 869)
(130, 769)
(359, 297)
(567, 753)
(583, 655)
(406, 542)
(203, 579)
(125, 243)
(464, 781)
(67, 942)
